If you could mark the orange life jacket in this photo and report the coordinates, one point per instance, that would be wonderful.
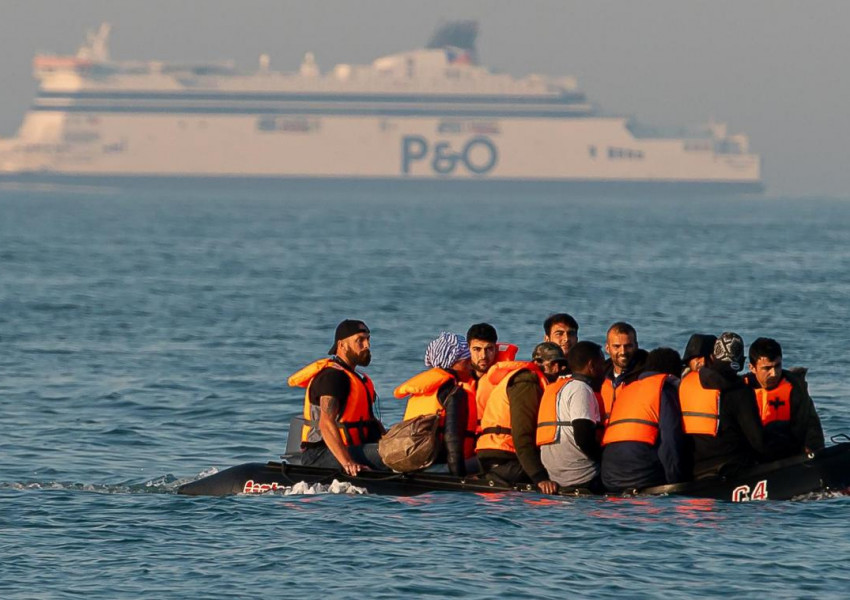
(607, 395)
(356, 421)
(600, 427)
(504, 353)
(635, 411)
(775, 404)
(700, 406)
(423, 400)
(547, 417)
(496, 421)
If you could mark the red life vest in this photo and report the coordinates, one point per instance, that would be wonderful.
(356, 421)
(775, 404)
(700, 406)
(423, 400)
(496, 421)
(635, 411)
(506, 352)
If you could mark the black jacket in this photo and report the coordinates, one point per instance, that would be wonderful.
(632, 371)
(453, 398)
(803, 432)
(740, 438)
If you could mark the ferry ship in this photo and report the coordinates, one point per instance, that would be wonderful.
(428, 116)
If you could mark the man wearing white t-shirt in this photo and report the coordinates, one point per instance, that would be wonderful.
(570, 420)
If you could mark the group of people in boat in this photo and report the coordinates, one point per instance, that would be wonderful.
(569, 418)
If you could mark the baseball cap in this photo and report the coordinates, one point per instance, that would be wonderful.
(346, 329)
(548, 351)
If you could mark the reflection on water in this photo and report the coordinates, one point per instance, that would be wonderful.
(148, 334)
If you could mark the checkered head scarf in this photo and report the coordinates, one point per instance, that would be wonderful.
(446, 350)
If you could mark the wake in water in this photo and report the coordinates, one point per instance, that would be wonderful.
(168, 484)
(164, 484)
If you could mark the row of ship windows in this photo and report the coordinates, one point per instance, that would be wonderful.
(617, 153)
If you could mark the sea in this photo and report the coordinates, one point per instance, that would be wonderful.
(146, 338)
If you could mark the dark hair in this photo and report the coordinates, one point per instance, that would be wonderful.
(622, 327)
(553, 320)
(582, 353)
(764, 348)
(664, 360)
(482, 331)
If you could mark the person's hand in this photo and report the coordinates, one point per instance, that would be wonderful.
(548, 487)
(352, 468)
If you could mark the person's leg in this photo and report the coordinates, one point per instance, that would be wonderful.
(437, 467)
(503, 471)
(319, 457)
(368, 455)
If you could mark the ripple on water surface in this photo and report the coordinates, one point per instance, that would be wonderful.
(146, 339)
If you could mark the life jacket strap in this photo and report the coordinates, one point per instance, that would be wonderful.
(498, 430)
(688, 413)
(556, 423)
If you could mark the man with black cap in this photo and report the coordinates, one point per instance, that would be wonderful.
(697, 352)
(719, 412)
(507, 448)
(340, 426)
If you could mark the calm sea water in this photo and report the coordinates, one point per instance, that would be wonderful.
(145, 339)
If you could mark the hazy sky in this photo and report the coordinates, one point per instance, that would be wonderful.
(776, 70)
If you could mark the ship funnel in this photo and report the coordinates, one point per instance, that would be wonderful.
(459, 35)
(94, 48)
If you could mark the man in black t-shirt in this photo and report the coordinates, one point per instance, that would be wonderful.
(342, 429)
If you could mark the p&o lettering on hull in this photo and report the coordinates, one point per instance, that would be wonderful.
(477, 156)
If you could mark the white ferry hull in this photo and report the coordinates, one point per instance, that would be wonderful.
(580, 150)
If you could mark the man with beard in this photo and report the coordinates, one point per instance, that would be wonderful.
(482, 339)
(644, 444)
(625, 364)
(485, 350)
(340, 428)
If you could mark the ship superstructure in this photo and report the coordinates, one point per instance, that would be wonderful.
(427, 114)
